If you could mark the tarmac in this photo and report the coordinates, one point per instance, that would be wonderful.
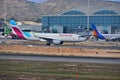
(81, 49)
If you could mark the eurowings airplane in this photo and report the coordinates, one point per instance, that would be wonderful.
(50, 38)
(107, 37)
(60, 38)
(21, 34)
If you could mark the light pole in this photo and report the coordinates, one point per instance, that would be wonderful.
(88, 14)
(5, 12)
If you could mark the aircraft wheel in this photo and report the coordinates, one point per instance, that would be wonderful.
(61, 42)
(48, 43)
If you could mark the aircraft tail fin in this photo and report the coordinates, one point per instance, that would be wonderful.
(95, 32)
(16, 30)
(7, 30)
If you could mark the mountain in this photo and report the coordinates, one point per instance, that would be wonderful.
(26, 10)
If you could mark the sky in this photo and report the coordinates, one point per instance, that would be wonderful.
(46, 0)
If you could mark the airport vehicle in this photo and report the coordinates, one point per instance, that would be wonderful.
(21, 34)
(107, 37)
(50, 38)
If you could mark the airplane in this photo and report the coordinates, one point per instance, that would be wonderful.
(60, 38)
(21, 34)
(106, 37)
(50, 38)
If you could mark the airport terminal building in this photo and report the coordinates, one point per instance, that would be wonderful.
(106, 19)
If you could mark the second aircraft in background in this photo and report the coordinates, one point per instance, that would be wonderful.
(107, 37)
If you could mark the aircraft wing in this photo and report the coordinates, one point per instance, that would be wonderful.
(45, 38)
(48, 39)
(41, 37)
(114, 38)
(85, 35)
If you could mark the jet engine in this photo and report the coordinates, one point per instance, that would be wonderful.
(55, 41)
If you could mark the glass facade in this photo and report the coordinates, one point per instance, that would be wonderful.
(105, 20)
(73, 13)
(105, 12)
(73, 19)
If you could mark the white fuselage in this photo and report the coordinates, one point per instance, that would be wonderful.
(111, 36)
(61, 37)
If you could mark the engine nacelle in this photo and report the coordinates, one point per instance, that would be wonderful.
(55, 41)
(82, 38)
